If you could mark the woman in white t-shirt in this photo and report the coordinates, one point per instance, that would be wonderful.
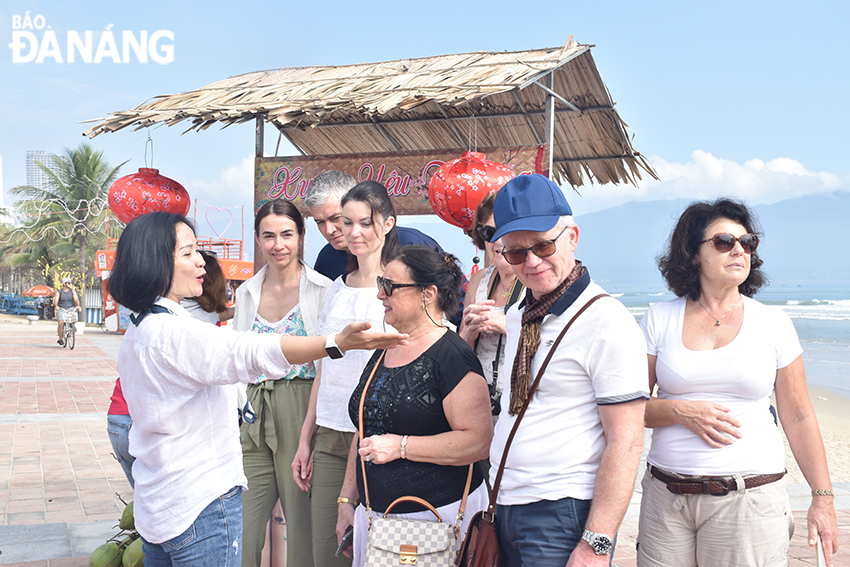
(714, 493)
(369, 228)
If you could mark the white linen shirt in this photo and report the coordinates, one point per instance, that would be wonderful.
(560, 441)
(176, 373)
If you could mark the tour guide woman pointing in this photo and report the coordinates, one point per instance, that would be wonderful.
(176, 372)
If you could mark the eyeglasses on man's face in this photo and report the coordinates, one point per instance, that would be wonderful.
(541, 249)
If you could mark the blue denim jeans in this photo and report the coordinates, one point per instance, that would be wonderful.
(541, 534)
(118, 428)
(215, 538)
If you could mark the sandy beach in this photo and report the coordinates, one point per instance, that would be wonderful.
(833, 413)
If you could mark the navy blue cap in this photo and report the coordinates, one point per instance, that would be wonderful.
(528, 202)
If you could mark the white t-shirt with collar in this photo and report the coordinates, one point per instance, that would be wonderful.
(559, 444)
(176, 374)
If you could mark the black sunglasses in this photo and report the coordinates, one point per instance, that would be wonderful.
(724, 242)
(486, 232)
(541, 250)
(389, 286)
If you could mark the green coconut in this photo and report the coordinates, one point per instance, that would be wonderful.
(107, 555)
(133, 555)
(127, 522)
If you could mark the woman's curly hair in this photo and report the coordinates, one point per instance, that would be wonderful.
(680, 265)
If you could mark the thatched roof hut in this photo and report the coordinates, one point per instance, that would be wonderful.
(549, 96)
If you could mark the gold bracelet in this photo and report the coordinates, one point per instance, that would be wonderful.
(403, 447)
(344, 500)
(823, 493)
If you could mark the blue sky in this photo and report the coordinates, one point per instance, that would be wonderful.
(739, 98)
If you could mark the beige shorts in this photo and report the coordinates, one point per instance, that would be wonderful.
(743, 528)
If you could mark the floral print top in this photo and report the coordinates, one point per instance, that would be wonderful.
(293, 325)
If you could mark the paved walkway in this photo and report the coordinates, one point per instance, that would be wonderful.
(61, 490)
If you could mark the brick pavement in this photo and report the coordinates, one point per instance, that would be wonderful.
(61, 489)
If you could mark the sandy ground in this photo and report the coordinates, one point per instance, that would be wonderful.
(833, 413)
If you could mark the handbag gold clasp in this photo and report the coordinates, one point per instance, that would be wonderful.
(408, 554)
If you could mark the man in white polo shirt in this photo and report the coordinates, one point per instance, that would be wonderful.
(571, 468)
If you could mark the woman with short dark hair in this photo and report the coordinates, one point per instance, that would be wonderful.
(426, 412)
(714, 492)
(176, 373)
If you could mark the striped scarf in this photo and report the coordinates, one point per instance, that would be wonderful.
(529, 337)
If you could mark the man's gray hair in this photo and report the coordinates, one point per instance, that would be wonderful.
(564, 221)
(327, 185)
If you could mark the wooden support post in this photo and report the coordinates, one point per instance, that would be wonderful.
(550, 122)
(261, 132)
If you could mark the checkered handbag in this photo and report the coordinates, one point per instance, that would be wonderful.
(403, 541)
(397, 541)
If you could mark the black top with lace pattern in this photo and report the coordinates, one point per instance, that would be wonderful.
(408, 400)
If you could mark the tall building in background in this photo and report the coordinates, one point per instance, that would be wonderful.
(35, 175)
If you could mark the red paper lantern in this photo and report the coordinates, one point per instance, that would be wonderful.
(145, 192)
(459, 185)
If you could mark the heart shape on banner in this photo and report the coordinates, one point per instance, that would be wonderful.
(216, 209)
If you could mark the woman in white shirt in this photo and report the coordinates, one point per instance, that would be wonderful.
(369, 228)
(175, 373)
(284, 297)
(714, 494)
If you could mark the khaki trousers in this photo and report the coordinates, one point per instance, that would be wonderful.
(268, 448)
(743, 528)
(330, 458)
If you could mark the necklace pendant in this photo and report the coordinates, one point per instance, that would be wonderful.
(717, 324)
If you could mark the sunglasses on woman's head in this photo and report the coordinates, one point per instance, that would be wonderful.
(724, 242)
(486, 232)
(389, 286)
(541, 250)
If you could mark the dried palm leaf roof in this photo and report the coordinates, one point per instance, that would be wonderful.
(483, 99)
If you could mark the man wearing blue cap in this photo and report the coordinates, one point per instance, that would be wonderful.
(571, 467)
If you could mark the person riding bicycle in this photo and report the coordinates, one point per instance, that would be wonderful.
(65, 300)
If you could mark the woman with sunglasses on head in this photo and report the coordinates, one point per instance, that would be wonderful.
(369, 228)
(714, 494)
(177, 375)
(490, 292)
(426, 414)
(284, 298)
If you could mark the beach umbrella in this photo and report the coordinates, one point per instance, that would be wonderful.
(39, 291)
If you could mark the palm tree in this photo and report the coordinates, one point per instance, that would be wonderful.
(69, 214)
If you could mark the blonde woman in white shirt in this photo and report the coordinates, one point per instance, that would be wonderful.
(175, 373)
(369, 228)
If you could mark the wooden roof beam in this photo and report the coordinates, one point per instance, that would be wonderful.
(521, 106)
(452, 118)
(451, 124)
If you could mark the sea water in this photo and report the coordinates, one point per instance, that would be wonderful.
(821, 315)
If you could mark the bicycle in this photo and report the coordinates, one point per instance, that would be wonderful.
(69, 336)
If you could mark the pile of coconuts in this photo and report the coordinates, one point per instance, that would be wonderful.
(123, 550)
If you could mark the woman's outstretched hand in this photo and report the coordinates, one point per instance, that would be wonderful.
(357, 336)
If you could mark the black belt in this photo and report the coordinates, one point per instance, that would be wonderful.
(713, 485)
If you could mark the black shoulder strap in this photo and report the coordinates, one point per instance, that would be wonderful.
(153, 309)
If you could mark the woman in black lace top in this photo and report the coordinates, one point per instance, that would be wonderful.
(426, 411)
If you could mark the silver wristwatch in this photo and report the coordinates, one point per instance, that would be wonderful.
(601, 543)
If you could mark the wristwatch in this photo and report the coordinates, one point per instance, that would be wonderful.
(601, 543)
(331, 347)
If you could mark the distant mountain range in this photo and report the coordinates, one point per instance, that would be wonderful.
(805, 239)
